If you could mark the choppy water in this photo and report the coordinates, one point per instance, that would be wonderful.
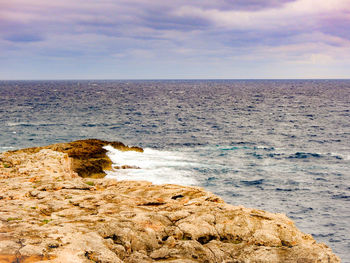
(281, 146)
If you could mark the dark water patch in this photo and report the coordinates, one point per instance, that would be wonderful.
(255, 155)
(311, 171)
(304, 155)
(252, 182)
(317, 141)
(277, 156)
(285, 189)
(89, 125)
(188, 144)
(292, 182)
(303, 210)
(344, 197)
(231, 182)
(338, 157)
(22, 124)
(323, 235)
(321, 179)
(312, 135)
(332, 140)
(294, 217)
(212, 178)
(50, 124)
(242, 143)
(290, 136)
(234, 148)
(330, 225)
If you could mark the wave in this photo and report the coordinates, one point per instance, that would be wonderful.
(6, 148)
(156, 166)
(252, 182)
(25, 124)
(340, 156)
(304, 155)
(270, 152)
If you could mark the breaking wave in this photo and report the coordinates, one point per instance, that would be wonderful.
(158, 167)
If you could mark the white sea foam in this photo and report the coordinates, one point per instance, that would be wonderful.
(12, 124)
(5, 148)
(158, 167)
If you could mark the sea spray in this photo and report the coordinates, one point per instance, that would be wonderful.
(158, 167)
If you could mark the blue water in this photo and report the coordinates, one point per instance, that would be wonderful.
(277, 145)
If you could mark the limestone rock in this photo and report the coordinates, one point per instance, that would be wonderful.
(87, 157)
(49, 214)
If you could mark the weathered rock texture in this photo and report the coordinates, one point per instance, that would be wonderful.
(50, 214)
(87, 157)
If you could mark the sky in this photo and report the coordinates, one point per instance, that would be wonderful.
(177, 39)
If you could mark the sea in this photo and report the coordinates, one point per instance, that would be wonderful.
(277, 145)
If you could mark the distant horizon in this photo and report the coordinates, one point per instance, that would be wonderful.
(167, 79)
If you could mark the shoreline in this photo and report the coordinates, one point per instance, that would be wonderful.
(48, 210)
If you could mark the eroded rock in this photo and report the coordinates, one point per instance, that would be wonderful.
(49, 213)
(87, 157)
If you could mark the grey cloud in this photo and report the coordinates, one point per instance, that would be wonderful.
(336, 26)
(121, 18)
(24, 38)
(123, 30)
(247, 5)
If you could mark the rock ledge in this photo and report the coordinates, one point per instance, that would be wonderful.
(50, 214)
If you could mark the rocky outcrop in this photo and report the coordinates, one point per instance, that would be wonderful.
(87, 157)
(50, 214)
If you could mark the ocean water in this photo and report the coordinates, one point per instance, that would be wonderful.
(276, 145)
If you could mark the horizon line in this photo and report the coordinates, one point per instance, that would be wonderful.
(167, 79)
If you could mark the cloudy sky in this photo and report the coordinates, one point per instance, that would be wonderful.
(147, 39)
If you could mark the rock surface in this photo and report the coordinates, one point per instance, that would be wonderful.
(87, 157)
(50, 214)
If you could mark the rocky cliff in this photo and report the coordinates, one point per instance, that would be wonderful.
(48, 213)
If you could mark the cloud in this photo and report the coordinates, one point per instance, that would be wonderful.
(23, 38)
(297, 14)
(124, 17)
(175, 32)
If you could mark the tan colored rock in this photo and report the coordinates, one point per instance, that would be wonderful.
(49, 214)
(87, 158)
